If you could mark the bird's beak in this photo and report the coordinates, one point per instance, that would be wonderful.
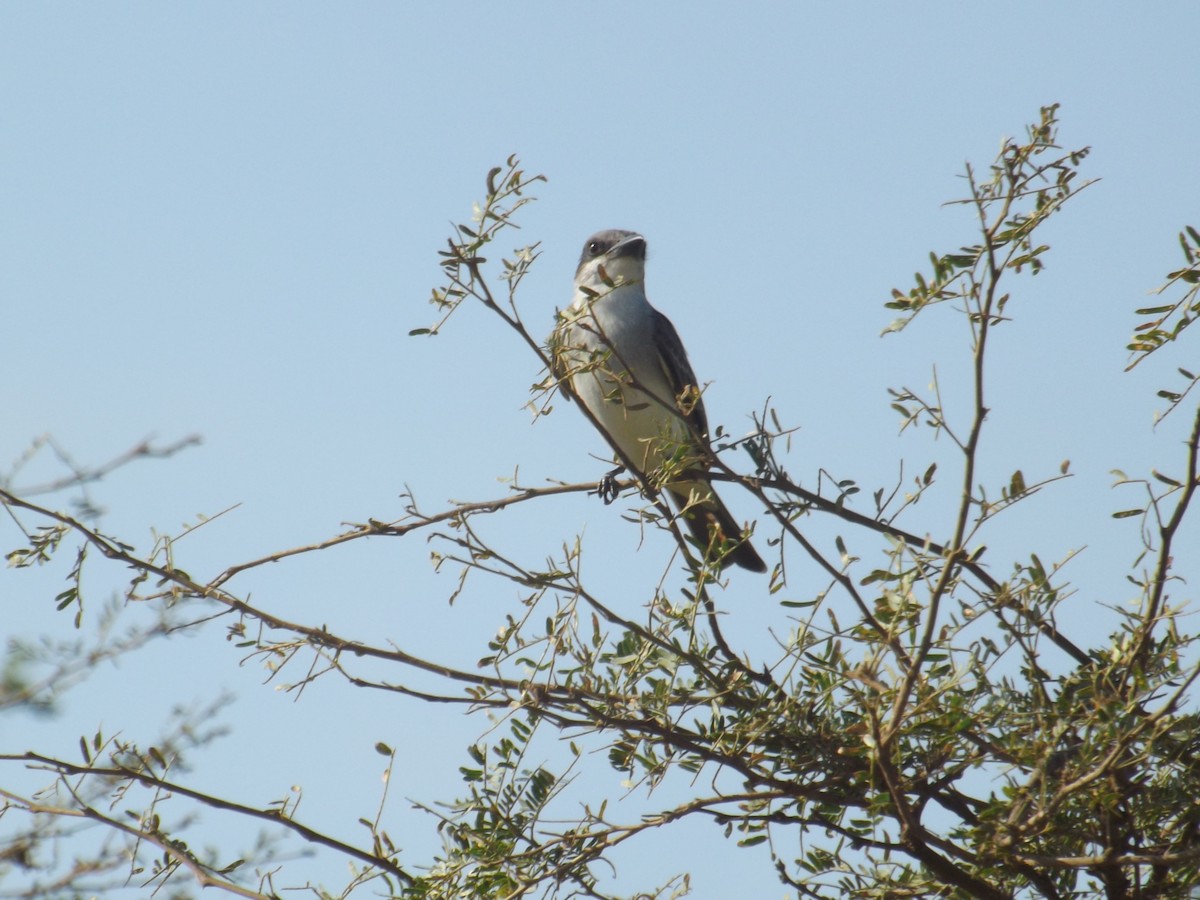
(634, 245)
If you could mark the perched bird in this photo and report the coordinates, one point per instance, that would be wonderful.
(624, 361)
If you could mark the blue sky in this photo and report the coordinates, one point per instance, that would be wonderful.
(223, 219)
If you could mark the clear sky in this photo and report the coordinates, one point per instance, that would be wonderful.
(223, 219)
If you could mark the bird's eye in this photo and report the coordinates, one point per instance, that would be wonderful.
(595, 248)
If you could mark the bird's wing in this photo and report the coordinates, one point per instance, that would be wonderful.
(680, 376)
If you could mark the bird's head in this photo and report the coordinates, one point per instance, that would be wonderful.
(621, 254)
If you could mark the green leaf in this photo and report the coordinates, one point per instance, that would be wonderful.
(1016, 484)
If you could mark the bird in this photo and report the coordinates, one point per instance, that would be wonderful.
(623, 360)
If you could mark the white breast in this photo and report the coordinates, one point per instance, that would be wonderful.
(618, 375)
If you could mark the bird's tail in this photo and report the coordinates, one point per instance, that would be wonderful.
(712, 525)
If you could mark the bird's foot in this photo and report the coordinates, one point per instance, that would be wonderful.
(609, 490)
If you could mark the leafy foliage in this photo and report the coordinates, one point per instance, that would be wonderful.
(929, 727)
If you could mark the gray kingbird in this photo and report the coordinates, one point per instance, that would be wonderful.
(624, 361)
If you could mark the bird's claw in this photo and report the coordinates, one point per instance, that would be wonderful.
(609, 490)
